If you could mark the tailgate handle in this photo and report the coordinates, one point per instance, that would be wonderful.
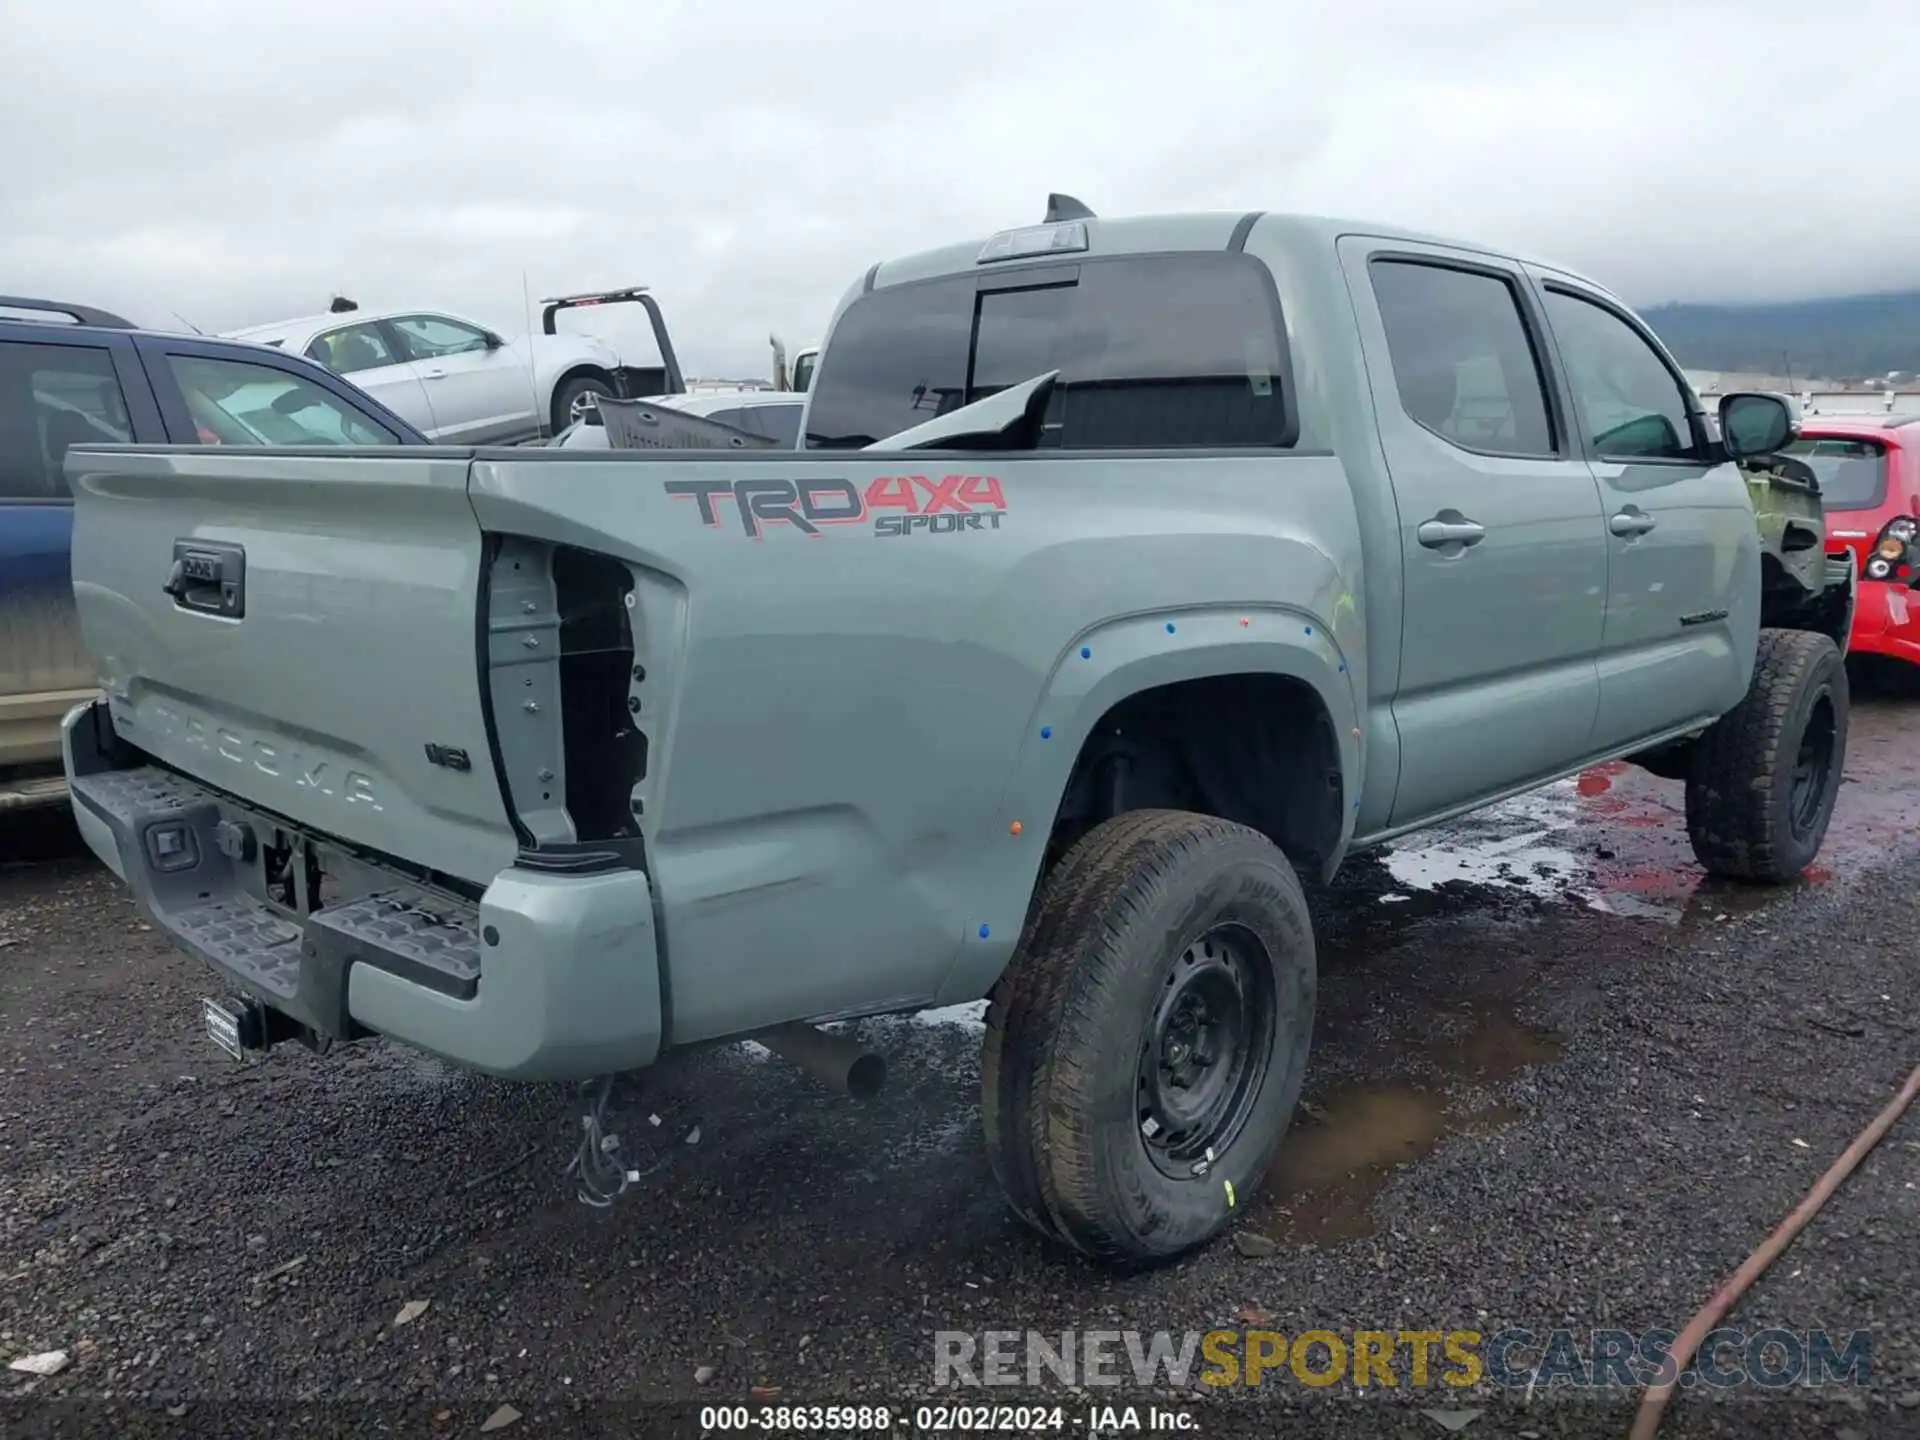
(208, 579)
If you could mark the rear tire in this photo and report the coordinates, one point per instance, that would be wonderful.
(1146, 1047)
(567, 399)
(1763, 781)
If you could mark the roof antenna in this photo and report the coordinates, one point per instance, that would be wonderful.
(1065, 207)
(341, 305)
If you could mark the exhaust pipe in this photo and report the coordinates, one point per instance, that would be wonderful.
(833, 1060)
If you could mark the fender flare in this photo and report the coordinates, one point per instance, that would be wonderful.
(1102, 666)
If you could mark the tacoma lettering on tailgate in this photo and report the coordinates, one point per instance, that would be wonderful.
(280, 762)
(954, 503)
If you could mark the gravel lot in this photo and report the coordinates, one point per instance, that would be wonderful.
(1559, 1080)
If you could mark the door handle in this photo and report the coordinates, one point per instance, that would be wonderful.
(1630, 522)
(436, 375)
(210, 579)
(1437, 533)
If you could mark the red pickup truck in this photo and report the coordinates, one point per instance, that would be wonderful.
(1869, 471)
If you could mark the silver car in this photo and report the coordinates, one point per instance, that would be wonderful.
(459, 382)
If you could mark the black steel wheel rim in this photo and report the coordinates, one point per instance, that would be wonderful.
(1205, 1053)
(1812, 766)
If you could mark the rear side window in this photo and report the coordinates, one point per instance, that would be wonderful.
(234, 402)
(1463, 363)
(1852, 473)
(51, 397)
(1154, 352)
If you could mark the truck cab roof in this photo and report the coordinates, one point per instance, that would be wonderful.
(1173, 232)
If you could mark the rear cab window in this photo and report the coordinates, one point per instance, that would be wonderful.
(1852, 471)
(1174, 351)
(52, 397)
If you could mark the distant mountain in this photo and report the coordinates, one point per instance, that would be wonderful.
(1852, 336)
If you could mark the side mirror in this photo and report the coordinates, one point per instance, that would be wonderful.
(1756, 422)
(494, 342)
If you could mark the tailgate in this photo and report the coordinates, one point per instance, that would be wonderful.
(300, 629)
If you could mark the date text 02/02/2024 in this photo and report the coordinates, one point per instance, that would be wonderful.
(942, 1419)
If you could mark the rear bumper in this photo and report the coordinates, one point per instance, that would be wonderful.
(1886, 621)
(545, 977)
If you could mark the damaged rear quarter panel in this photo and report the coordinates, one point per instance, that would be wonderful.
(844, 726)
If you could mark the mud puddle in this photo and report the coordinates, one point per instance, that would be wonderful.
(1344, 1147)
(1614, 838)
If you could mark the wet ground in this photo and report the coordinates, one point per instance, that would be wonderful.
(1560, 1078)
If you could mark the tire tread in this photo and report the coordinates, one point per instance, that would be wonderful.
(1043, 1017)
(1736, 829)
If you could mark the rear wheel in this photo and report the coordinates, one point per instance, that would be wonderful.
(1145, 1049)
(574, 398)
(1762, 782)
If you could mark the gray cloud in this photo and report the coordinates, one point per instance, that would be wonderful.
(239, 163)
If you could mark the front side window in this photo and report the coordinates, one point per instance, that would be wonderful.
(429, 337)
(1632, 405)
(1176, 351)
(352, 348)
(233, 402)
(1463, 363)
(1852, 473)
(53, 397)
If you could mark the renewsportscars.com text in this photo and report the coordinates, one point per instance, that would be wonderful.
(1415, 1359)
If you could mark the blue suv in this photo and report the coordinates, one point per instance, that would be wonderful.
(70, 375)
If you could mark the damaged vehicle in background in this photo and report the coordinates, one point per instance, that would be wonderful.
(462, 383)
(1074, 634)
(1868, 471)
(72, 374)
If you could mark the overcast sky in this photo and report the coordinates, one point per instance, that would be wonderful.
(238, 163)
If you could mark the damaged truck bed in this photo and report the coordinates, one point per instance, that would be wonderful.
(1130, 568)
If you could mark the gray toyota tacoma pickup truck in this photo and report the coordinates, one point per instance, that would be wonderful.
(1130, 568)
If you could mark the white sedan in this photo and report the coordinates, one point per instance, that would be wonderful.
(457, 381)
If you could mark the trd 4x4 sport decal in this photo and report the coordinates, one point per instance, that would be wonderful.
(953, 503)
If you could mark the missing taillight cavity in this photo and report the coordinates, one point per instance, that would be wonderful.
(606, 752)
